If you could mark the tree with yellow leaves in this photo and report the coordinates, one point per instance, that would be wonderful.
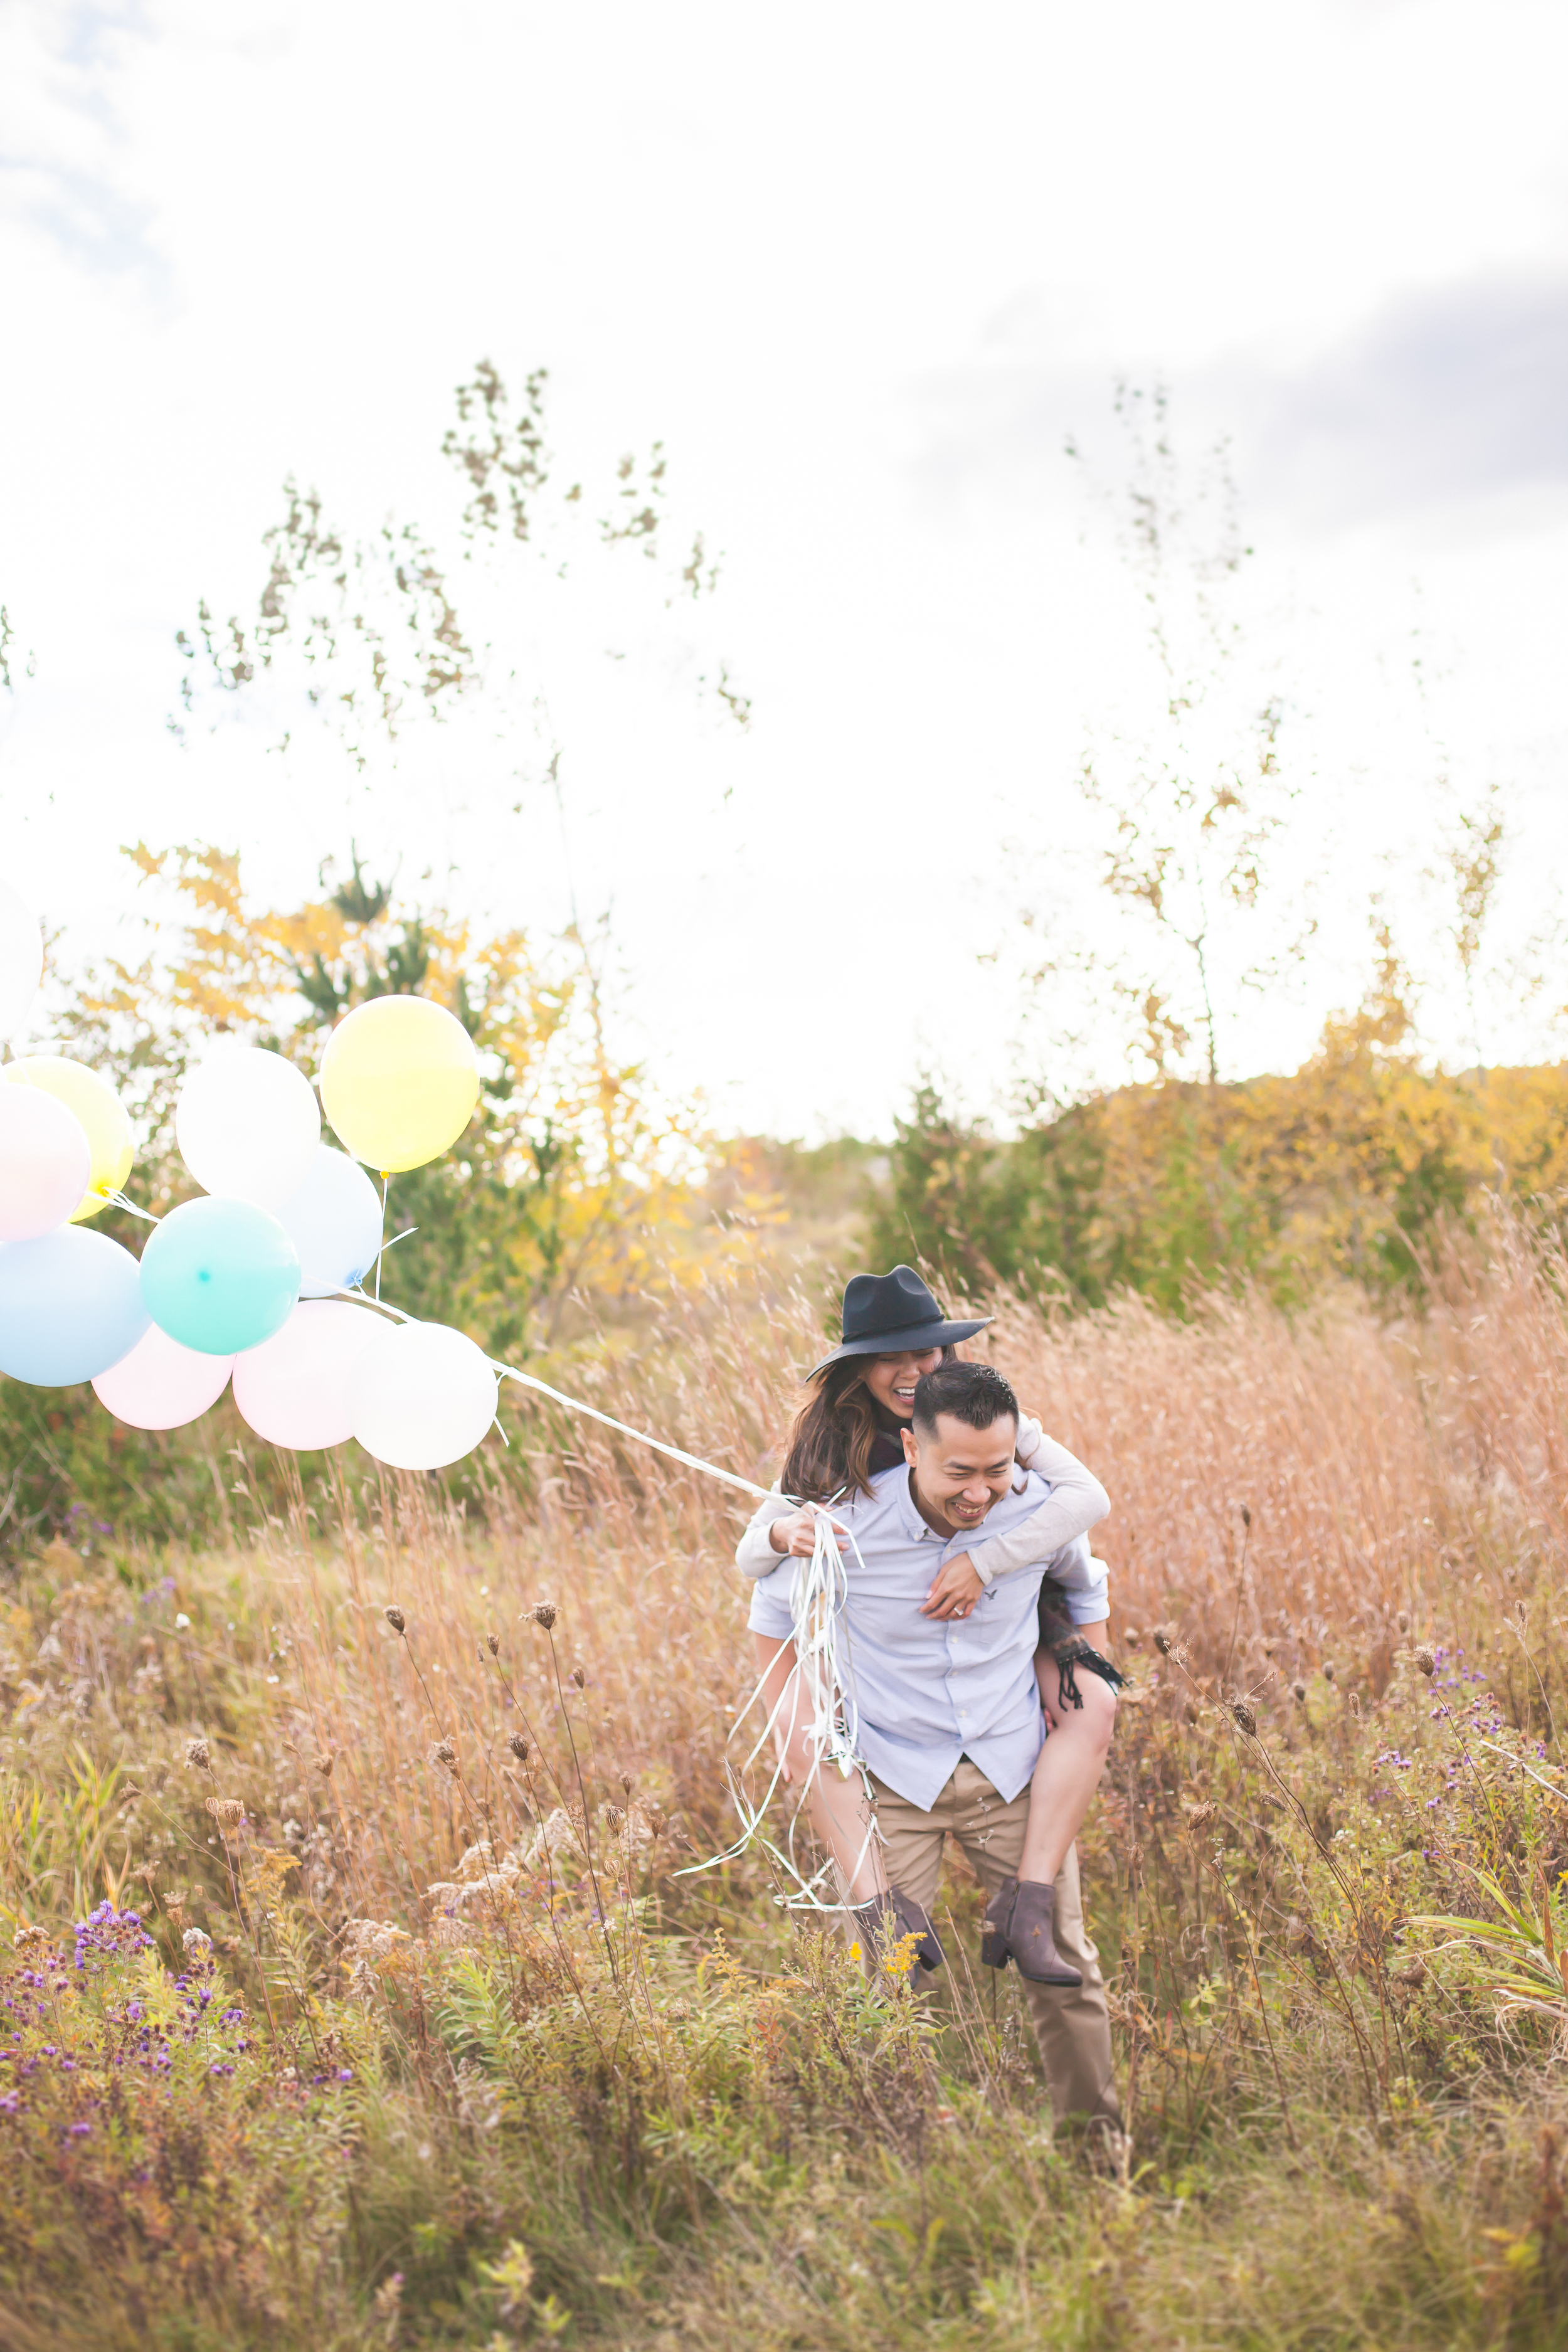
(1341, 1169)
(570, 1158)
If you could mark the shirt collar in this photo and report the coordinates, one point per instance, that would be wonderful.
(912, 1521)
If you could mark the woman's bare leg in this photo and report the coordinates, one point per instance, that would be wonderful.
(838, 1811)
(1069, 1768)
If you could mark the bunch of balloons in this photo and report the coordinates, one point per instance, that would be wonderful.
(246, 1282)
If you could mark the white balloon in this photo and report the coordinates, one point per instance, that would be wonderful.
(21, 960)
(422, 1396)
(294, 1389)
(160, 1384)
(247, 1125)
(44, 1153)
(334, 1222)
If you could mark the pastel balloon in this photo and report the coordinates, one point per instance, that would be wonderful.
(45, 1163)
(247, 1126)
(294, 1389)
(160, 1384)
(21, 960)
(334, 1222)
(70, 1306)
(103, 1117)
(399, 1081)
(421, 1396)
(219, 1276)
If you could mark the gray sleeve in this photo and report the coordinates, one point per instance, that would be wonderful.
(1085, 1579)
(1075, 1503)
(754, 1555)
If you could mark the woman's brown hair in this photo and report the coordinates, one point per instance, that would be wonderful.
(833, 1434)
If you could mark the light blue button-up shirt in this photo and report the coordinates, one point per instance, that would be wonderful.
(930, 1690)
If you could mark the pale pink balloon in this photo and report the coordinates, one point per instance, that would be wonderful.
(160, 1384)
(44, 1152)
(293, 1388)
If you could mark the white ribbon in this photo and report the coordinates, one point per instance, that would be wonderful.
(818, 1591)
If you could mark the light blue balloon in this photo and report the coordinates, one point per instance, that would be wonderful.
(71, 1307)
(334, 1222)
(219, 1276)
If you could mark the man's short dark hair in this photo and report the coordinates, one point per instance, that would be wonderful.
(975, 1394)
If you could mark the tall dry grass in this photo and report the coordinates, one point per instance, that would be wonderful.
(469, 1754)
(1286, 1491)
(1333, 1476)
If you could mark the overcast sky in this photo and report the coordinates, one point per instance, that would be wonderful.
(864, 271)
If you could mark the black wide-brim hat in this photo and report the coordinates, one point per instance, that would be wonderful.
(891, 1315)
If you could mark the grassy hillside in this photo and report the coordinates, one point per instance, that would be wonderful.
(1344, 1169)
(418, 2037)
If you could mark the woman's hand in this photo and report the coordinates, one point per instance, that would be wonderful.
(796, 1532)
(955, 1591)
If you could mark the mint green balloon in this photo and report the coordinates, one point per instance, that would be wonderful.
(219, 1276)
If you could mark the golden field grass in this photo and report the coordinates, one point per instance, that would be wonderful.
(574, 2095)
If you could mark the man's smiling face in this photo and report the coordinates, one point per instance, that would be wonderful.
(960, 1471)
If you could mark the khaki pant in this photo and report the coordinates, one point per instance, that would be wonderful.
(1070, 2021)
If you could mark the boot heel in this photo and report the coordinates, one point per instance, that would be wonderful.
(1033, 1943)
(995, 1951)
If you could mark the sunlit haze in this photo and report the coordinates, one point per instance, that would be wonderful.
(864, 273)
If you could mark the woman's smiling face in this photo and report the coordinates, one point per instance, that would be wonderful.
(891, 1379)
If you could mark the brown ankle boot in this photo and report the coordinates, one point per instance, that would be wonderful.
(1018, 1928)
(907, 1919)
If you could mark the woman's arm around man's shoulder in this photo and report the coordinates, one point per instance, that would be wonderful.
(1075, 1503)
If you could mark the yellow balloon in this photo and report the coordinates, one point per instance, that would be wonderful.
(399, 1081)
(101, 1113)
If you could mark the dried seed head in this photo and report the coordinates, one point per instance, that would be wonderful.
(1298, 1690)
(198, 1756)
(1162, 1641)
(1327, 1672)
(615, 1818)
(628, 1783)
(544, 1613)
(227, 1812)
(1425, 1661)
(1246, 1516)
(1200, 1816)
(26, 1937)
(578, 1676)
(1130, 1637)
(444, 1754)
(492, 1643)
(324, 1766)
(519, 1746)
(1244, 1719)
(1403, 1620)
(196, 1943)
(396, 1618)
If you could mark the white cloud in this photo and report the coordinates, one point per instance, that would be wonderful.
(1449, 394)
